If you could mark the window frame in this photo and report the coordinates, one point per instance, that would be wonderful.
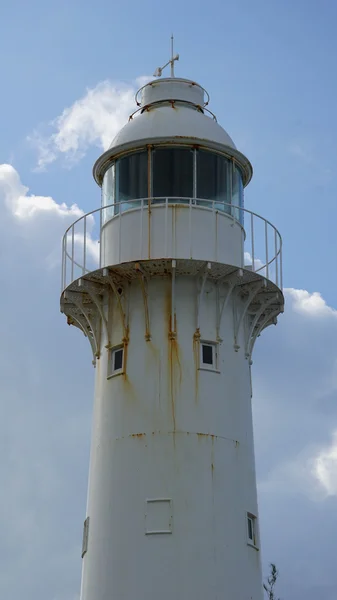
(252, 541)
(232, 166)
(85, 537)
(206, 366)
(112, 372)
(163, 147)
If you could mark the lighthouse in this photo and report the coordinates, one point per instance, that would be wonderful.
(172, 298)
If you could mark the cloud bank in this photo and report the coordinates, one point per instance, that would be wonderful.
(47, 391)
(94, 119)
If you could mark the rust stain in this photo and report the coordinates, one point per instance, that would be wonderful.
(212, 459)
(206, 435)
(196, 355)
(138, 435)
(175, 371)
(153, 366)
(125, 341)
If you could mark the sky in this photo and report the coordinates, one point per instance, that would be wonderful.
(68, 73)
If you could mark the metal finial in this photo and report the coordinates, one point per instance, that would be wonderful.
(171, 62)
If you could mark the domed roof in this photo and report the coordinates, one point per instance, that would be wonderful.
(175, 122)
(174, 108)
(171, 110)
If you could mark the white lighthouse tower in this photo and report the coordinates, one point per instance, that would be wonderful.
(185, 281)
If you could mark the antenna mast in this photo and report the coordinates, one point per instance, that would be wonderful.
(159, 70)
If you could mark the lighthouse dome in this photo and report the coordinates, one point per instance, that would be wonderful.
(174, 108)
(172, 111)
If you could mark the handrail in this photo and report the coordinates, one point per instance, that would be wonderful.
(176, 79)
(172, 101)
(263, 261)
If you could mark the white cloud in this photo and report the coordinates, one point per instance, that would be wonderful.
(46, 393)
(94, 119)
(258, 264)
(25, 206)
(325, 467)
(310, 303)
(48, 218)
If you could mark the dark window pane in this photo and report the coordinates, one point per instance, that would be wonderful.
(207, 354)
(250, 528)
(108, 193)
(172, 173)
(118, 359)
(212, 179)
(237, 194)
(132, 177)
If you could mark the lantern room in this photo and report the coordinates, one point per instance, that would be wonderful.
(172, 150)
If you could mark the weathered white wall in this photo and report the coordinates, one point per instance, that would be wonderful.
(174, 231)
(166, 429)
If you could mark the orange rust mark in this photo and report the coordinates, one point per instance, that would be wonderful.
(153, 366)
(138, 435)
(125, 341)
(212, 458)
(175, 371)
(196, 355)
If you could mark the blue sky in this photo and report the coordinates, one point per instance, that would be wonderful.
(270, 70)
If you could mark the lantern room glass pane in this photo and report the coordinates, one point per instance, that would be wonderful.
(108, 193)
(213, 179)
(172, 173)
(237, 194)
(131, 180)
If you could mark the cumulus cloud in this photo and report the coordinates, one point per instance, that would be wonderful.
(47, 390)
(44, 213)
(325, 467)
(45, 405)
(311, 304)
(27, 206)
(94, 119)
(295, 416)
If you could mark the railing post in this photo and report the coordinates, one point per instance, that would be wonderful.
(141, 226)
(166, 226)
(242, 241)
(84, 244)
(120, 235)
(276, 256)
(62, 268)
(100, 236)
(190, 225)
(266, 241)
(65, 258)
(72, 252)
(215, 220)
(252, 240)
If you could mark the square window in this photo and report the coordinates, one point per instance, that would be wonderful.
(208, 355)
(251, 530)
(115, 361)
